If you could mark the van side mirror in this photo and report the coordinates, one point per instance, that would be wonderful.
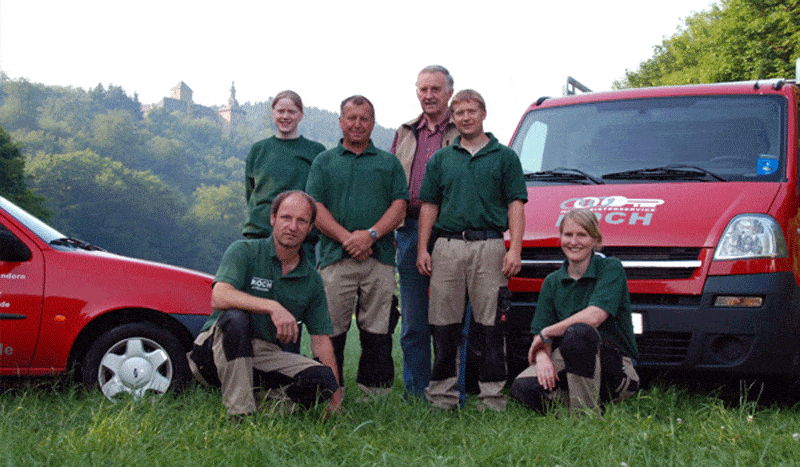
(12, 249)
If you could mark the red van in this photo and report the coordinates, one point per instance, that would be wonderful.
(124, 324)
(696, 190)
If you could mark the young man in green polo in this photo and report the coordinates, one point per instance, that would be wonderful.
(473, 191)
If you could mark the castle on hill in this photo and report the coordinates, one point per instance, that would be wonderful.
(180, 100)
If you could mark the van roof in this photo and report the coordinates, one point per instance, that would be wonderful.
(770, 86)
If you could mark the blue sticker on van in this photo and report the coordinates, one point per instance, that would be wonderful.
(767, 165)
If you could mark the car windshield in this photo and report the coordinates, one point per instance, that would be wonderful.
(42, 230)
(696, 138)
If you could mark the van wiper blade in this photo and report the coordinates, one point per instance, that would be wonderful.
(667, 172)
(562, 174)
(75, 243)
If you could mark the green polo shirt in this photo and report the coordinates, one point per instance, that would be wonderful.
(252, 266)
(357, 190)
(473, 192)
(273, 166)
(603, 285)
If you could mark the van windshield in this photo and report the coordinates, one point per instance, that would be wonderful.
(695, 138)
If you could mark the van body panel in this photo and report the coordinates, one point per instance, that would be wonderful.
(677, 175)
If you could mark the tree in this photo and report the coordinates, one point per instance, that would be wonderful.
(12, 178)
(102, 201)
(118, 135)
(218, 212)
(21, 101)
(737, 40)
(115, 98)
(220, 204)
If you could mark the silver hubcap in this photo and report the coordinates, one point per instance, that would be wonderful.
(134, 366)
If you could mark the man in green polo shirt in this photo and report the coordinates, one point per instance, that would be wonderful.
(361, 195)
(262, 289)
(473, 190)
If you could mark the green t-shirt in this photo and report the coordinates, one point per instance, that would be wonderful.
(603, 285)
(273, 166)
(357, 190)
(473, 192)
(252, 266)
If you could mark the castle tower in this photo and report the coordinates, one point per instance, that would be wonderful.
(183, 93)
(231, 114)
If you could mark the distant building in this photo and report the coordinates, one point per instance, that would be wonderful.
(180, 100)
(231, 113)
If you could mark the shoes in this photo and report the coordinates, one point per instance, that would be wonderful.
(239, 418)
(276, 402)
(495, 404)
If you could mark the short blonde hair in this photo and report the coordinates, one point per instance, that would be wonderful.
(291, 95)
(587, 220)
(468, 95)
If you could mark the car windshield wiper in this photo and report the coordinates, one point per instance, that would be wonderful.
(667, 172)
(563, 174)
(75, 243)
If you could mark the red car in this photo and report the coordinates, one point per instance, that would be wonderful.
(124, 324)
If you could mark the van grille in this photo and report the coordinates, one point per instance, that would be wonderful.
(639, 262)
(663, 347)
(654, 347)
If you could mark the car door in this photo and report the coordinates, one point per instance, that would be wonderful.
(21, 297)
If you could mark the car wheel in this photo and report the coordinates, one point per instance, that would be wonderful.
(135, 359)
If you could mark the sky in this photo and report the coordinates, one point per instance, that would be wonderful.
(512, 52)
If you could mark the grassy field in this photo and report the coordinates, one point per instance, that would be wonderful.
(665, 425)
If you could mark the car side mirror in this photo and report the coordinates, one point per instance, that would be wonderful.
(12, 249)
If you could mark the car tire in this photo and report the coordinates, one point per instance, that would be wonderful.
(135, 359)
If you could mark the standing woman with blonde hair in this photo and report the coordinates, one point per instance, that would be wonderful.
(584, 349)
(277, 164)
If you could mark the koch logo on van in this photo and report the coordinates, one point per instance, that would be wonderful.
(610, 202)
(615, 209)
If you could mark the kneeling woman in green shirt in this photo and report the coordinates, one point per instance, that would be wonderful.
(583, 351)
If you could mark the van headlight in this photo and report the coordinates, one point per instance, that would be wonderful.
(751, 236)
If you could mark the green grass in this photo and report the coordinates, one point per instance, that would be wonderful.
(665, 425)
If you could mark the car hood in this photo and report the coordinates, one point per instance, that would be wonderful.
(646, 214)
(114, 273)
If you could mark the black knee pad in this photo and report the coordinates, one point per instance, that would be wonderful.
(375, 366)
(579, 347)
(518, 342)
(338, 343)
(237, 334)
(446, 341)
(312, 385)
(473, 353)
(203, 357)
(530, 393)
(492, 356)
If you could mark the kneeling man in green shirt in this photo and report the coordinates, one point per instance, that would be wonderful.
(262, 289)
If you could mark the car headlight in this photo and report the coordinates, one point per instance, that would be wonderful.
(751, 236)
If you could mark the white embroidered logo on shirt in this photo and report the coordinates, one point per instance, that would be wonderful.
(262, 285)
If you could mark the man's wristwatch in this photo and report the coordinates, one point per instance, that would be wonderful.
(373, 233)
(545, 340)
